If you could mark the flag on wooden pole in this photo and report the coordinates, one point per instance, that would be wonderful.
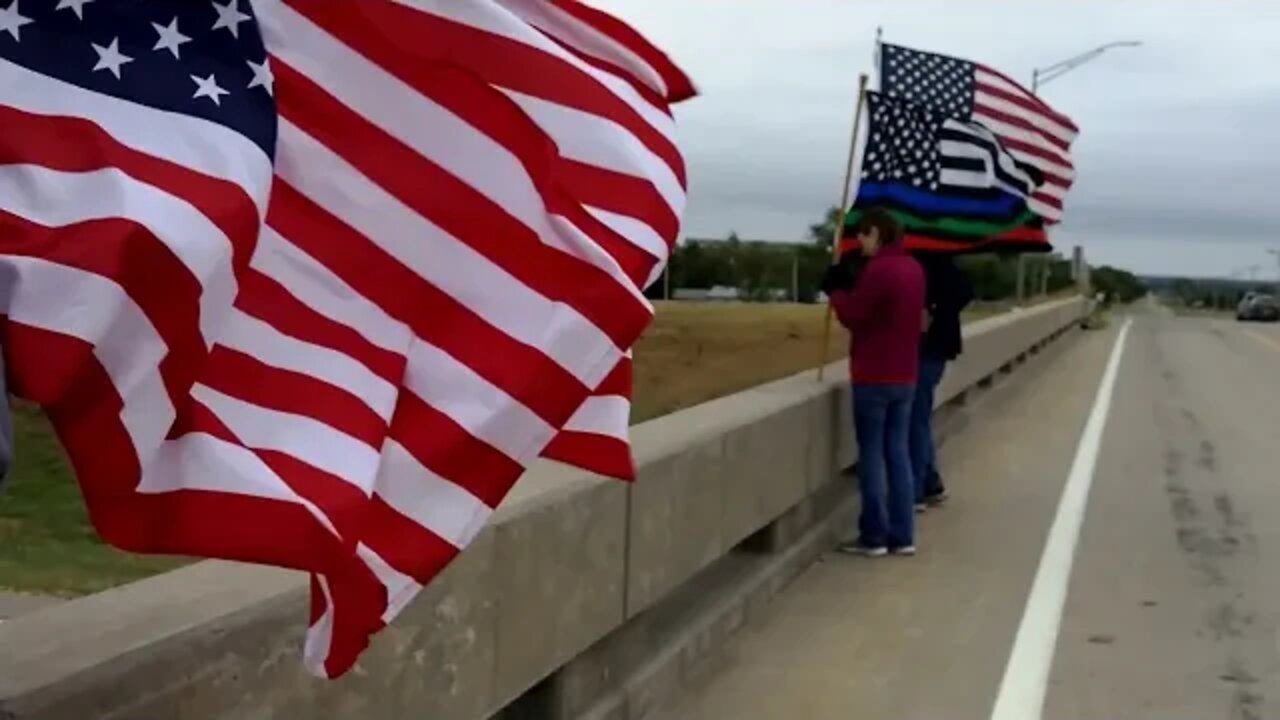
(953, 184)
(842, 211)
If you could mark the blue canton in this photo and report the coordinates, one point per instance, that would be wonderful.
(902, 143)
(946, 84)
(202, 58)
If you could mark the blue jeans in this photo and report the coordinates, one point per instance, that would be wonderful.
(881, 417)
(923, 453)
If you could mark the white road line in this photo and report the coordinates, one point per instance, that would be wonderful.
(1026, 676)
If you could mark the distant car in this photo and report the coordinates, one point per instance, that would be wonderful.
(1263, 308)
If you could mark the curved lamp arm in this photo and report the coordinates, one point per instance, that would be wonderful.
(1040, 76)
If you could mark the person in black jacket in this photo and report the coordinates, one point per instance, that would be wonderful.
(947, 293)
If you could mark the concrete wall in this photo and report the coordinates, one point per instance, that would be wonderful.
(569, 563)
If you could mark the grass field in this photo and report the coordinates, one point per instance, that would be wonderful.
(46, 542)
(693, 352)
(696, 352)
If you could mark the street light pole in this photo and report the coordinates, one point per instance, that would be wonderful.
(1040, 76)
(795, 276)
(1277, 254)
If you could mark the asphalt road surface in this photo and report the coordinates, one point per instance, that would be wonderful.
(1112, 551)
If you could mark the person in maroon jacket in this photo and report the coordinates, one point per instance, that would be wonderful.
(883, 307)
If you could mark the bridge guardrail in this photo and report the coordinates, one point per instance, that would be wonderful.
(568, 560)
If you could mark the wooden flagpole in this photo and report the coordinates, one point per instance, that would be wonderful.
(844, 212)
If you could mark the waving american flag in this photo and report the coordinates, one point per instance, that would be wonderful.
(311, 283)
(1033, 132)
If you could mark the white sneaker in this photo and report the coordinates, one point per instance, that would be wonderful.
(904, 550)
(857, 548)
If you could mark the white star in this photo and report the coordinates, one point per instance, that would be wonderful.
(170, 38)
(208, 87)
(110, 57)
(11, 21)
(262, 76)
(76, 5)
(230, 17)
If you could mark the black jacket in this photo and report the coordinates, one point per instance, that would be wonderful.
(947, 293)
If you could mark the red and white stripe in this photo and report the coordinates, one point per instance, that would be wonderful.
(352, 387)
(596, 438)
(634, 190)
(1032, 131)
(121, 234)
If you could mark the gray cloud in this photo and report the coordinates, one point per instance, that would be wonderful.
(1178, 159)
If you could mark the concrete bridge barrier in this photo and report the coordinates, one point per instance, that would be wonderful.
(583, 598)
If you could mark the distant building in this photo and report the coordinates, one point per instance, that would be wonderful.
(724, 293)
(690, 294)
(744, 241)
(719, 293)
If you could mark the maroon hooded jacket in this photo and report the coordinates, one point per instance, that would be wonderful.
(884, 314)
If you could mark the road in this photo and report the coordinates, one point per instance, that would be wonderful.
(1159, 594)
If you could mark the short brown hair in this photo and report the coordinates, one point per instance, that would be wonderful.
(884, 221)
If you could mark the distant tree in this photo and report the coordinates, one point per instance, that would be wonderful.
(758, 269)
(752, 263)
(1185, 290)
(813, 261)
(1060, 274)
(725, 261)
(692, 267)
(1124, 287)
(994, 277)
(822, 233)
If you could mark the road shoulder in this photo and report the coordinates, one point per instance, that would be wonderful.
(924, 637)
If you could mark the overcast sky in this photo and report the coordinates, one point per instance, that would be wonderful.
(1178, 160)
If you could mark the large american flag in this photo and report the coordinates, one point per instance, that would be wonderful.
(1034, 132)
(311, 283)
